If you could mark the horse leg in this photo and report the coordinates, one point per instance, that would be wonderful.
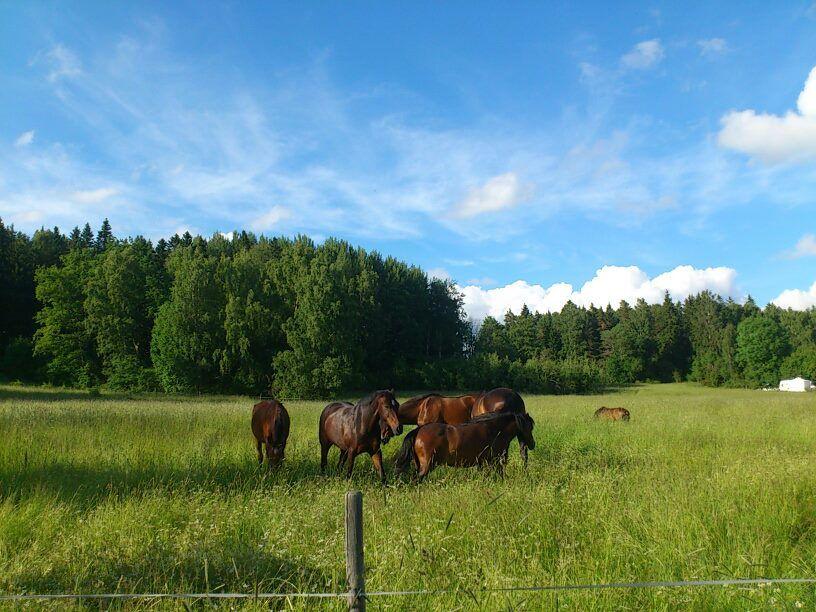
(342, 460)
(351, 456)
(324, 453)
(260, 451)
(376, 458)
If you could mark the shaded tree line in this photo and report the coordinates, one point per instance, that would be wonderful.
(248, 314)
(256, 314)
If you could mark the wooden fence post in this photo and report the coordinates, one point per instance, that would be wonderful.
(355, 568)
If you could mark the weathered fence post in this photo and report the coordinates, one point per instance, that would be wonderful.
(355, 568)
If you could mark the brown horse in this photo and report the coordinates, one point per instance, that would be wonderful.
(435, 408)
(481, 441)
(356, 429)
(270, 426)
(502, 399)
(612, 414)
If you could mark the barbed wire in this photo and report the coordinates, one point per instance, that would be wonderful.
(406, 593)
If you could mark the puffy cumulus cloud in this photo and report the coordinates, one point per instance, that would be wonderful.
(24, 139)
(771, 138)
(502, 191)
(796, 298)
(806, 247)
(644, 55)
(610, 285)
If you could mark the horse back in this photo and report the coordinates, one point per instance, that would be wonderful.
(500, 399)
(270, 421)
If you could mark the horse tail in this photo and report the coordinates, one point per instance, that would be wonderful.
(407, 453)
(278, 432)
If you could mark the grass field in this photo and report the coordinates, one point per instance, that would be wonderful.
(150, 494)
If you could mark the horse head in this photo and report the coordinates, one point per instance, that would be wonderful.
(387, 407)
(525, 424)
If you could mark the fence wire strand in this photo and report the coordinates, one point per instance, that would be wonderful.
(486, 591)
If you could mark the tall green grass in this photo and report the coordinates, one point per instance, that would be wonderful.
(149, 494)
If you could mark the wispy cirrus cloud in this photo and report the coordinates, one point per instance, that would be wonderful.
(24, 139)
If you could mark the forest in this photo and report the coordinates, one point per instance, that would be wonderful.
(254, 314)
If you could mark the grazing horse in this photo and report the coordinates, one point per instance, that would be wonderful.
(612, 414)
(270, 426)
(356, 429)
(481, 441)
(435, 408)
(501, 399)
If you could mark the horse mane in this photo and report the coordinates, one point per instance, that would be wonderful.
(371, 397)
(418, 398)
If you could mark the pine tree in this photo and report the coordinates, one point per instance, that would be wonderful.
(104, 238)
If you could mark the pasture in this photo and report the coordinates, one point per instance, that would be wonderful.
(157, 493)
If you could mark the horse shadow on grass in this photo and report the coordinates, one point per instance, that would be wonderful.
(86, 486)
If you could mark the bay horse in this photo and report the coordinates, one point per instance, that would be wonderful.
(501, 399)
(481, 441)
(612, 414)
(270, 426)
(435, 408)
(357, 429)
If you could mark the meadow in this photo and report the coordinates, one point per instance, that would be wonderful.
(163, 494)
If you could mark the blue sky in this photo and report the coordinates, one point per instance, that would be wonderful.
(522, 150)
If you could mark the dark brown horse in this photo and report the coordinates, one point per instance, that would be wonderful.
(270, 426)
(502, 399)
(612, 414)
(356, 429)
(435, 408)
(482, 441)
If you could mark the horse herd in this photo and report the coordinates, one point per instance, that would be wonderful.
(466, 430)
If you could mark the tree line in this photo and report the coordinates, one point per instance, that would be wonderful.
(255, 314)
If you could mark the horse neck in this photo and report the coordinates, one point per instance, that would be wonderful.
(409, 410)
(369, 415)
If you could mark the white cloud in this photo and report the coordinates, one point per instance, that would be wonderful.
(796, 298)
(61, 61)
(610, 285)
(270, 219)
(24, 139)
(774, 138)
(94, 196)
(644, 55)
(439, 273)
(500, 192)
(805, 247)
(227, 235)
(712, 46)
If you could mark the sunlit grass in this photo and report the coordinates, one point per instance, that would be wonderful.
(157, 494)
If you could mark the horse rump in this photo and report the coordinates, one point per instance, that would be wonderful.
(407, 453)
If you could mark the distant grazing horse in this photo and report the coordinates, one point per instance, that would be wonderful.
(435, 408)
(502, 399)
(270, 426)
(356, 429)
(612, 414)
(481, 441)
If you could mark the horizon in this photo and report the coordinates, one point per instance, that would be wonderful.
(555, 155)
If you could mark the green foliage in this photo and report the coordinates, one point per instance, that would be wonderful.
(188, 337)
(63, 337)
(801, 362)
(762, 344)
